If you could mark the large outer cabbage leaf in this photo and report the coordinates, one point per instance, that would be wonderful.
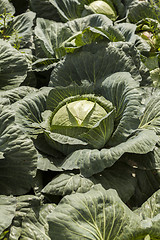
(7, 210)
(121, 90)
(58, 10)
(97, 215)
(95, 62)
(93, 161)
(16, 94)
(18, 163)
(13, 66)
(56, 35)
(119, 177)
(101, 215)
(20, 29)
(144, 9)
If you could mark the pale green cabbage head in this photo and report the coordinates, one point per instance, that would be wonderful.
(103, 7)
(82, 119)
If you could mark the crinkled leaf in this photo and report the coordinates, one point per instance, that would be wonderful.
(119, 177)
(7, 210)
(150, 213)
(143, 10)
(19, 164)
(93, 161)
(29, 109)
(20, 29)
(93, 64)
(17, 93)
(13, 66)
(54, 35)
(151, 116)
(30, 220)
(67, 183)
(122, 91)
(128, 31)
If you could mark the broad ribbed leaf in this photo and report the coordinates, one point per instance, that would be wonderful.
(20, 29)
(97, 215)
(63, 10)
(7, 210)
(45, 9)
(119, 177)
(67, 183)
(64, 143)
(6, 5)
(143, 10)
(151, 208)
(99, 135)
(93, 64)
(29, 109)
(19, 158)
(54, 35)
(151, 116)
(93, 161)
(13, 66)
(58, 94)
(17, 93)
(127, 30)
(122, 91)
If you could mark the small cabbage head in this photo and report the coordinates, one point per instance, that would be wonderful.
(101, 7)
(86, 120)
(148, 29)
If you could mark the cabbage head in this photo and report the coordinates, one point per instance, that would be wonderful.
(101, 7)
(82, 118)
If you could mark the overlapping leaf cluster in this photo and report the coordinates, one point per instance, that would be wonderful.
(66, 178)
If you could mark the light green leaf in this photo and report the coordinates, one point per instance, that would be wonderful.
(7, 210)
(13, 66)
(95, 215)
(99, 135)
(5, 4)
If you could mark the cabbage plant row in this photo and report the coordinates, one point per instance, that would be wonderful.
(79, 120)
